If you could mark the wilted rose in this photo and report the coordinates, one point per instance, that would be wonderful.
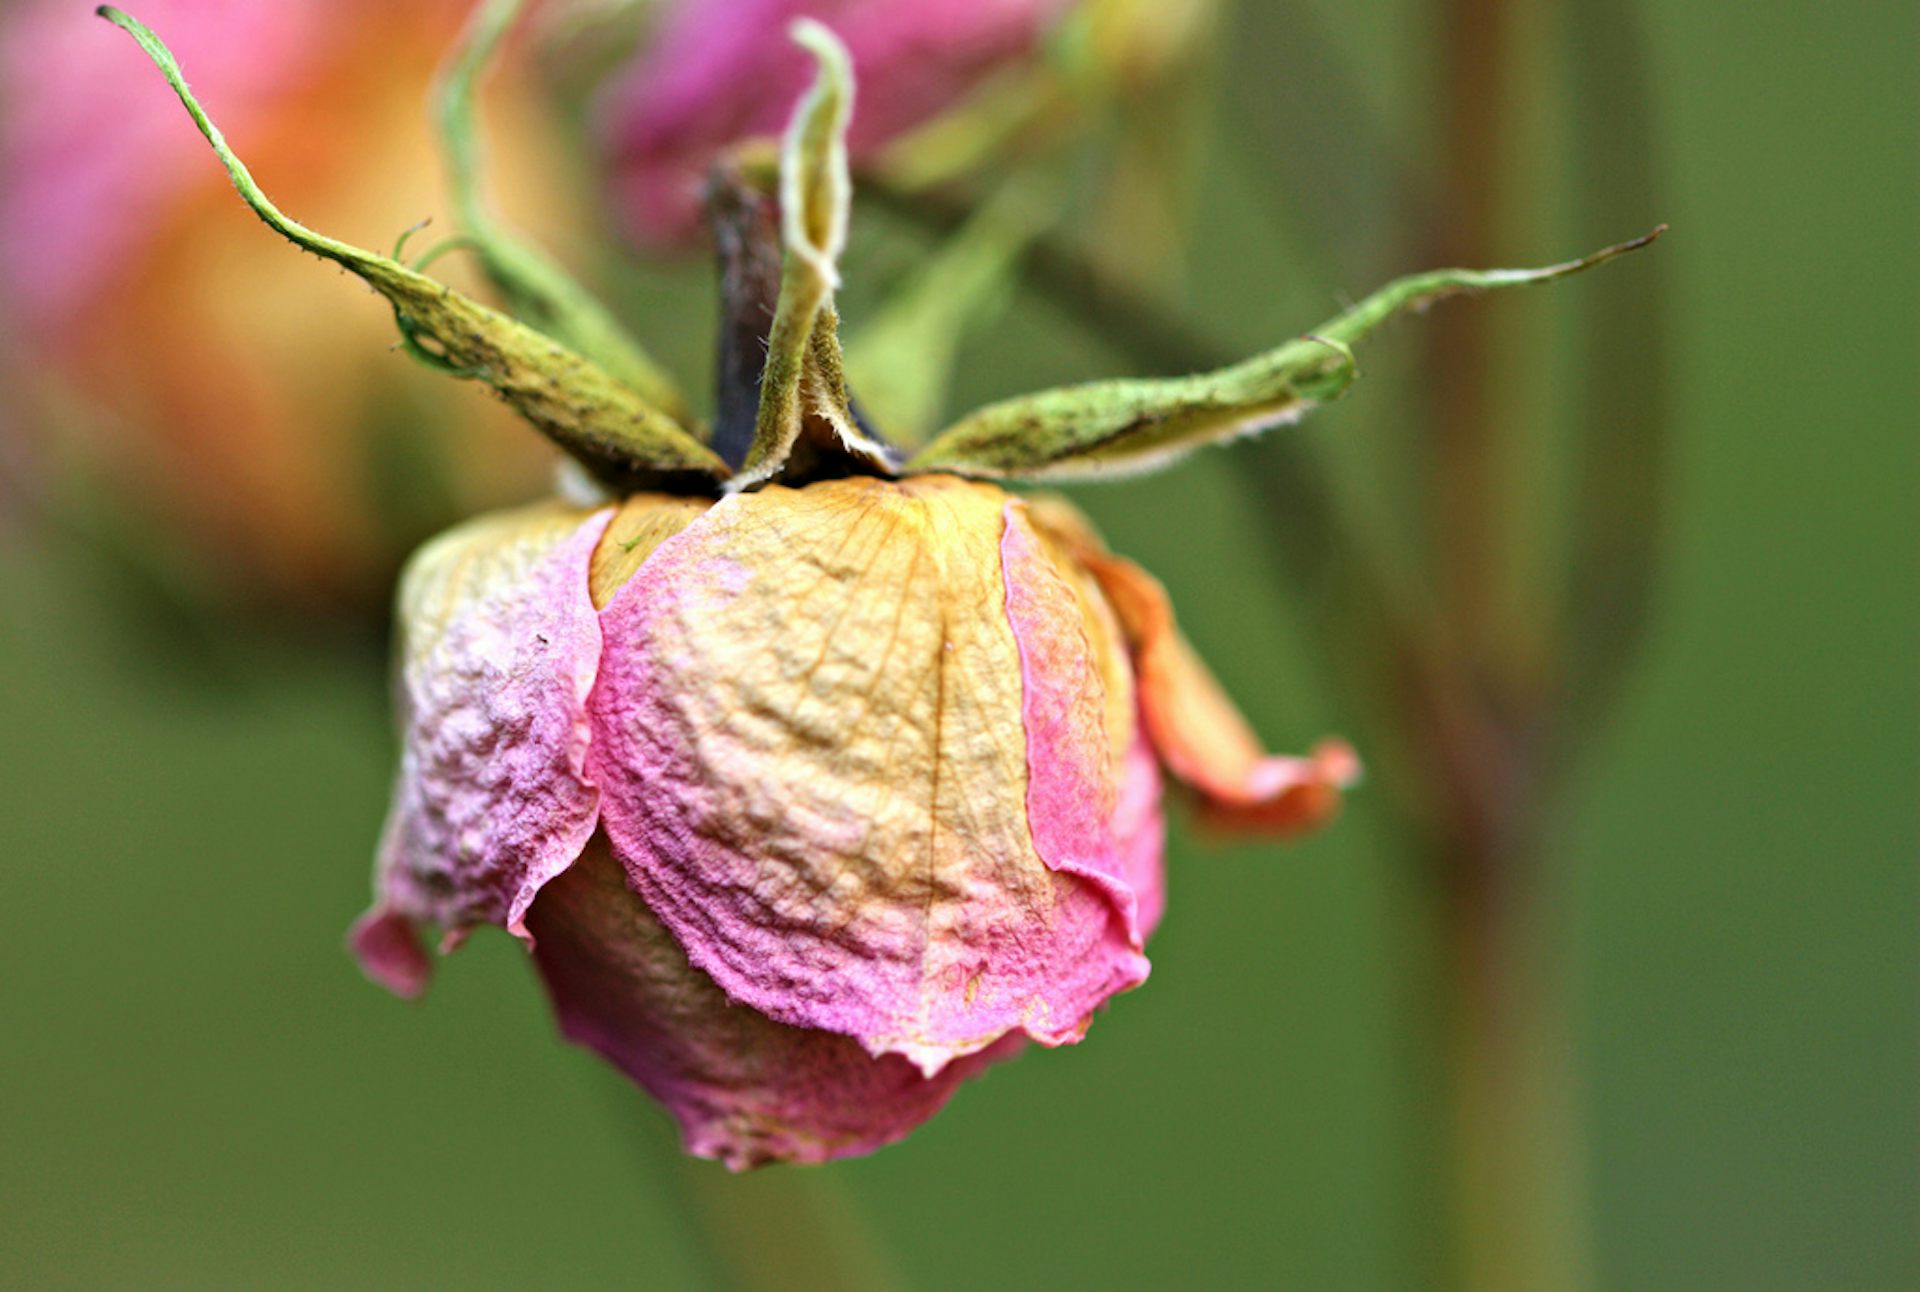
(811, 801)
(820, 773)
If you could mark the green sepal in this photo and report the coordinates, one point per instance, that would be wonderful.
(1117, 427)
(537, 289)
(902, 359)
(591, 414)
(803, 386)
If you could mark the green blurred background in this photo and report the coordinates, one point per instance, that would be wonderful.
(198, 1090)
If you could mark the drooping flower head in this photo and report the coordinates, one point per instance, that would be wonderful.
(818, 773)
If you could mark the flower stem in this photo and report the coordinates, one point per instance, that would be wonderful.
(777, 1229)
(784, 1229)
(1503, 1121)
(1503, 1117)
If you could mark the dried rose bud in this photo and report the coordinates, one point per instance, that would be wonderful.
(874, 759)
(819, 774)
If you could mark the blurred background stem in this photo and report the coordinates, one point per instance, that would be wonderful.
(1478, 702)
(1494, 759)
(1509, 1180)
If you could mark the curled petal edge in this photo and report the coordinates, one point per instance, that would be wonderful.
(491, 801)
(1195, 728)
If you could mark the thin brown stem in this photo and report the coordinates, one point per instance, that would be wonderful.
(1460, 373)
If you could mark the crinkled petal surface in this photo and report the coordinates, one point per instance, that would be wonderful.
(498, 648)
(810, 730)
(745, 1089)
(1075, 758)
(1196, 730)
(1140, 831)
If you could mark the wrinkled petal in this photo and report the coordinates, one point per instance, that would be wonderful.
(498, 644)
(808, 732)
(1073, 761)
(1194, 727)
(745, 1089)
(1140, 832)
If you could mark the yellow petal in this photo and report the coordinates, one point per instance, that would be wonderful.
(644, 521)
(808, 731)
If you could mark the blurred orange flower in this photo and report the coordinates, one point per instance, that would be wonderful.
(168, 351)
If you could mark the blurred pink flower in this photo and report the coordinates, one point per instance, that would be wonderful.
(724, 70)
(160, 339)
(92, 155)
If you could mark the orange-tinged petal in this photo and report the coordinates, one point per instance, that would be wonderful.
(1196, 729)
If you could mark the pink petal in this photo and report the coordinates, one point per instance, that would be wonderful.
(809, 732)
(723, 70)
(1073, 781)
(1139, 831)
(745, 1089)
(387, 944)
(498, 648)
(1063, 723)
(92, 146)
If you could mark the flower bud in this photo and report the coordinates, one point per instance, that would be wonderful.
(817, 800)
